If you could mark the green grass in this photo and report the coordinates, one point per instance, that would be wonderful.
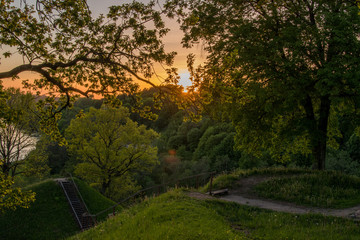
(170, 216)
(94, 200)
(175, 216)
(269, 225)
(327, 189)
(229, 180)
(319, 189)
(48, 217)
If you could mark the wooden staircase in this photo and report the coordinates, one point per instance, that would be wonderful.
(77, 206)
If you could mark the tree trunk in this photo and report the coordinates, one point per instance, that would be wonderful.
(319, 147)
(104, 186)
(5, 168)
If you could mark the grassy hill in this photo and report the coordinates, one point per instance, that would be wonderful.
(174, 215)
(49, 217)
(325, 189)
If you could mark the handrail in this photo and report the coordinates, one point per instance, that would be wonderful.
(77, 190)
(156, 186)
(125, 199)
(82, 199)
(68, 198)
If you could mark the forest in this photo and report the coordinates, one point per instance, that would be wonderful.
(99, 96)
(178, 146)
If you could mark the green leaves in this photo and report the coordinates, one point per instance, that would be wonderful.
(77, 54)
(11, 197)
(276, 68)
(110, 146)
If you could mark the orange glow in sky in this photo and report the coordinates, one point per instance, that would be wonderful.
(172, 42)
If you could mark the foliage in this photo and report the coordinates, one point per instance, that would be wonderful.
(36, 164)
(57, 156)
(346, 158)
(110, 146)
(11, 197)
(280, 70)
(17, 123)
(340, 160)
(217, 143)
(327, 189)
(5, 110)
(16, 138)
(74, 53)
(188, 148)
(248, 161)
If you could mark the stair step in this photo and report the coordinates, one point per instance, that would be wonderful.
(85, 222)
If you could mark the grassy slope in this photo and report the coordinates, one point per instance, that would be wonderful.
(320, 189)
(170, 216)
(270, 225)
(49, 217)
(94, 200)
(229, 180)
(176, 216)
(327, 189)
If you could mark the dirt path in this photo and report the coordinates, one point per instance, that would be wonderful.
(291, 208)
(244, 194)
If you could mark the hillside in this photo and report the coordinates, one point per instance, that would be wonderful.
(175, 215)
(49, 217)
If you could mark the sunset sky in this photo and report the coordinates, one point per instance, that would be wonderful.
(172, 43)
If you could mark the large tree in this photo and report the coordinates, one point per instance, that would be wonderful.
(16, 132)
(282, 69)
(110, 146)
(75, 53)
(11, 197)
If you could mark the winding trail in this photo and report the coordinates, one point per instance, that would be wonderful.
(291, 208)
(244, 195)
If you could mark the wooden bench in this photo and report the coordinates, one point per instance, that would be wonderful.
(220, 192)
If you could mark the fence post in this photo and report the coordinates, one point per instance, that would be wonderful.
(197, 182)
(114, 211)
(211, 182)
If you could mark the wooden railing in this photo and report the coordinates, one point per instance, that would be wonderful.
(194, 181)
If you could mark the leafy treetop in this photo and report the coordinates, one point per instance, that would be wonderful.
(75, 53)
(282, 70)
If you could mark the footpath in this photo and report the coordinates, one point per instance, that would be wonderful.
(245, 196)
(353, 212)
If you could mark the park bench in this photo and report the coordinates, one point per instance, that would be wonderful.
(220, 192)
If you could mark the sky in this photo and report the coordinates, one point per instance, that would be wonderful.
(172, 42)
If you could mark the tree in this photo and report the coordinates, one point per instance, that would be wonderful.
(217, 144)
(110, 146)
(74, 53)
(16, 139)
(16, 125)
(281, 69)
(11, 197)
